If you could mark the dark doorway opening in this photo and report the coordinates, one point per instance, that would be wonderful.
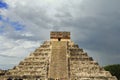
(59, 39)
(9, 79)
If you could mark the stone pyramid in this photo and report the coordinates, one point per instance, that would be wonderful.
(58, 59)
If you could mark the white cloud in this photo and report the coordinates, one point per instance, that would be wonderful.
(18, 48)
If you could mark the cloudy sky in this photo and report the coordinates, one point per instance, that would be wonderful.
(25, 24)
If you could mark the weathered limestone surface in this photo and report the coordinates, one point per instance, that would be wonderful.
(58, 59)
(58, 63)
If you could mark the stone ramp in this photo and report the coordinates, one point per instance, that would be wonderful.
(58, 64)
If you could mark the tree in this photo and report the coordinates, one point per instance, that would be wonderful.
(114, 70)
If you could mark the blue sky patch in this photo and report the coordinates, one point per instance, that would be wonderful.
(17, 26)
(1, 29)
(0, 17)
(3, 5)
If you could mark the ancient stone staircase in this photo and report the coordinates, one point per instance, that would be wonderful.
(58, 64)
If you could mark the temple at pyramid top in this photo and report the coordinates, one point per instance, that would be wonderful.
(59, 36)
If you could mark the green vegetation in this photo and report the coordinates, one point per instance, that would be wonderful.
(114, 70)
